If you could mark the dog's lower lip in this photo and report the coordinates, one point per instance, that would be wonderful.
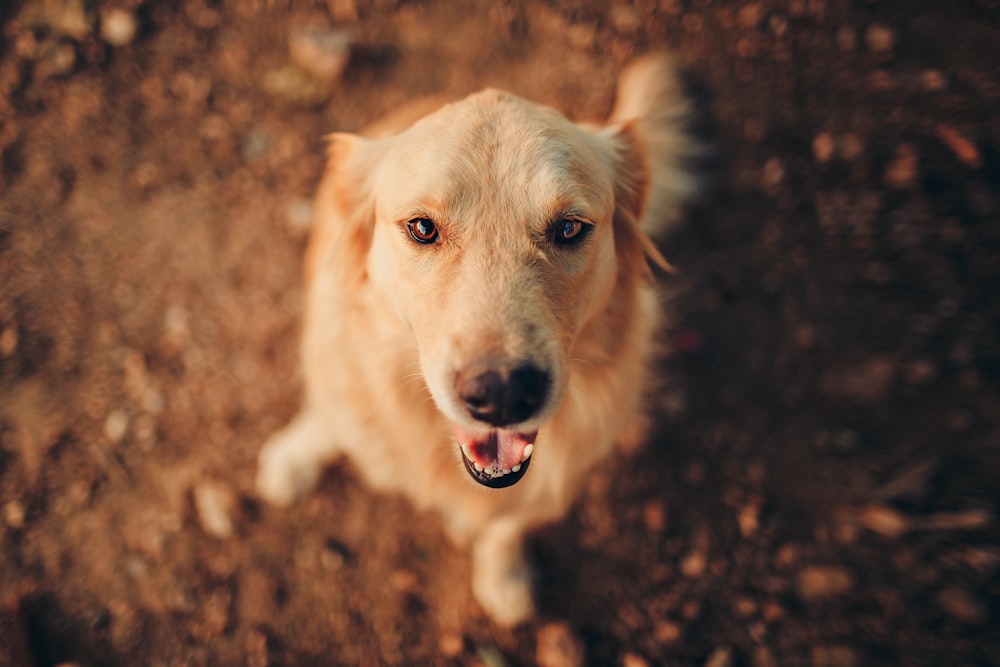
(492, 480)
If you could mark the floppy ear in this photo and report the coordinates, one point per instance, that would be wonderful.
(344, 214)
(632, 190)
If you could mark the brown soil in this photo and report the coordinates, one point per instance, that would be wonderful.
(822, 485)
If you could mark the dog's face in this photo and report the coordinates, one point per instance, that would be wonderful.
(494, 230)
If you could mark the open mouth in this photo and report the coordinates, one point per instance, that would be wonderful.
(495, 458)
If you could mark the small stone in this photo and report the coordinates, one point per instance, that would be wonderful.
(773, 173)
(749, 517)
(880, 38)
(962, 605)
(581, 36)
(13, 514)
(115, 426)
(762, 657)
(850, 147)
(558, 646)
(57, 59)
(818, 582)
(750, 15)
(322, 52)
(901, 173)
(963, 149)
(451, 645)
(884, 520)
(654, 517)
(778, 24)
(823, 147)
(634, 660)
(720, 657)
(667, 632)
(933, 80)
(847, 39)
(403, 581)
(624, 18)
(298, 215)
(343, 11)
(694, 564)
(118, 27)
(8, 341)
(256, 647)
(214, 504)
(833, 656)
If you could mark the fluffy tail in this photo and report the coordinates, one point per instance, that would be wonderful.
(652, 102)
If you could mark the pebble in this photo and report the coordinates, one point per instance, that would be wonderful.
(819, 582)
(118, 27)
(624, 18)
(322, 52)
(847, 39)
(850, 147)
(720, 657)
(833, 656)
(667, 632)
(115, 426)
(634, 660)
(581, 36)
(962, 605)
(694, 564)
(933, 80)
(762, 657)
(901, 173)
(57, 59)
(867, 382)
(214, 504)
(13, 514)
(451, 645)
(964, 150)
(748, 517)
(880, 38)
(8, 341)
(750, 15)
(298, 215)
(558, 646)
(773, 173)
(823, 147)
(404, 581)
(884, 520)
(256, 648)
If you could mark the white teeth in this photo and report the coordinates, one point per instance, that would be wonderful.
(505, 471)
(479, 468)
(527, 452)
(516, 468)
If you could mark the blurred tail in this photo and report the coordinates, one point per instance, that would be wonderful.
(652, 103)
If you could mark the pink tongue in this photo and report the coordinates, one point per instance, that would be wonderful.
(495, 448)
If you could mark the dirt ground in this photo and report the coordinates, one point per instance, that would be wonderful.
(822, 486)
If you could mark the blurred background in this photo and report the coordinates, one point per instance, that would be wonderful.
(822, 485)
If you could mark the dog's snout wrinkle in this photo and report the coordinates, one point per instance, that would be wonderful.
(503, 396)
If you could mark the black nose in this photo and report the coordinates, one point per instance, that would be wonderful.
(501, 397)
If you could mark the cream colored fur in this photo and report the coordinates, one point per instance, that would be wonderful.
(390, 322)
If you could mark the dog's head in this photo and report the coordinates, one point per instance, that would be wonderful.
(495, 230)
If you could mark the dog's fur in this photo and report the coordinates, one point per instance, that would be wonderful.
(392, 325)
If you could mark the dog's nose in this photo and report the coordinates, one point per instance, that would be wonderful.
(503, 397)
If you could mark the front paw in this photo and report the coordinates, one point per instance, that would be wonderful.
(283, 477)
(508, 597)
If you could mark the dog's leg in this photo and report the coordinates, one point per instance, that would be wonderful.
(502, 581)
(291, 460)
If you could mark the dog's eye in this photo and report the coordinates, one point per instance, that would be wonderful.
(569, 232)
(422, 230)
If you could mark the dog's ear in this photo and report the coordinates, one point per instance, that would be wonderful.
(344, 215)
(633, 181)
(650, 128)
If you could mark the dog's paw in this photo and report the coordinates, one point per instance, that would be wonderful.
(281, 478)
(502, 580)
(508, 596)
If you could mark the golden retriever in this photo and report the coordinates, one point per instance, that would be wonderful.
(480, 310)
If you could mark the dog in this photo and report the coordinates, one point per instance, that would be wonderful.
(481, 310)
